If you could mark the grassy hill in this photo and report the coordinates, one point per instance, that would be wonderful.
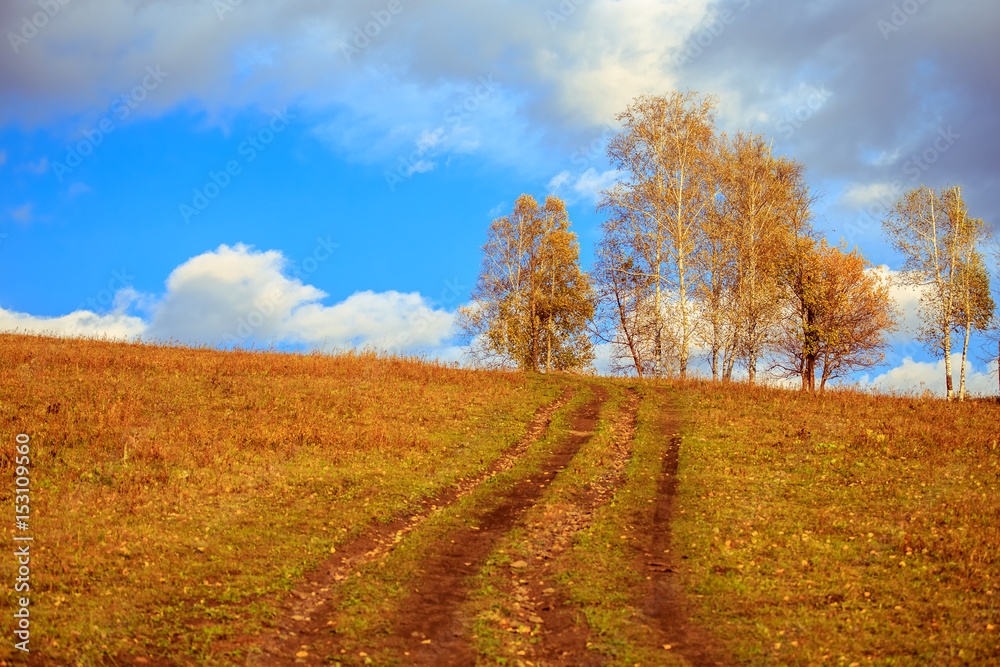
(192, 506)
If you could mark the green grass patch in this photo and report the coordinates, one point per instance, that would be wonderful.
(841, 528)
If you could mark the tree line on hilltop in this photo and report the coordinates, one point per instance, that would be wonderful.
(708, 247)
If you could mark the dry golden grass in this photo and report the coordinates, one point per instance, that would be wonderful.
(178, 490)
(842, 528)
(179, 494)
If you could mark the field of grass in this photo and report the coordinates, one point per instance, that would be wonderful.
(179, 492)
(181, 495)
(843, 529)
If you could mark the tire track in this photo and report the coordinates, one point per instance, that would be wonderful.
(429, 630)
(664, 601)
(546, 631)
(305, 613)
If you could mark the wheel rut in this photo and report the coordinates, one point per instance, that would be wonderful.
(542, 625)
(308, 607)
(664, 601)
(429, 631)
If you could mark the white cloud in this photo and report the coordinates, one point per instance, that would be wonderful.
(907, 300)
(387, 319)
(861, 195)
(559, 180)
(80, 323)
(420, 167)
(591, 183)
(917, 376)
(587, 185)
(238, 295)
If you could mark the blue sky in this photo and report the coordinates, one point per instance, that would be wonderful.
(323, 174)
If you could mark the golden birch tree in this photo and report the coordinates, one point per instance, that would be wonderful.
(840, 318)
(974, 303)
(764, 195)
(566, 304)
(663, 153)
(531, 303)
(937, 238)
(716, 261)
(623, 318)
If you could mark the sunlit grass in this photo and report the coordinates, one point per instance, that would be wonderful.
(845, 528)
(179, 491)
(178, 494)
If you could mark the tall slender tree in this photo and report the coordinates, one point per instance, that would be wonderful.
(974, 305)
(566, 304)
(664, 155)
(764, 195)
(938, 240)
(622, 319)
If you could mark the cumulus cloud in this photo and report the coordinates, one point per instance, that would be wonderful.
(917, 376)
(238, 295)
(907, 300)
(80, 323)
